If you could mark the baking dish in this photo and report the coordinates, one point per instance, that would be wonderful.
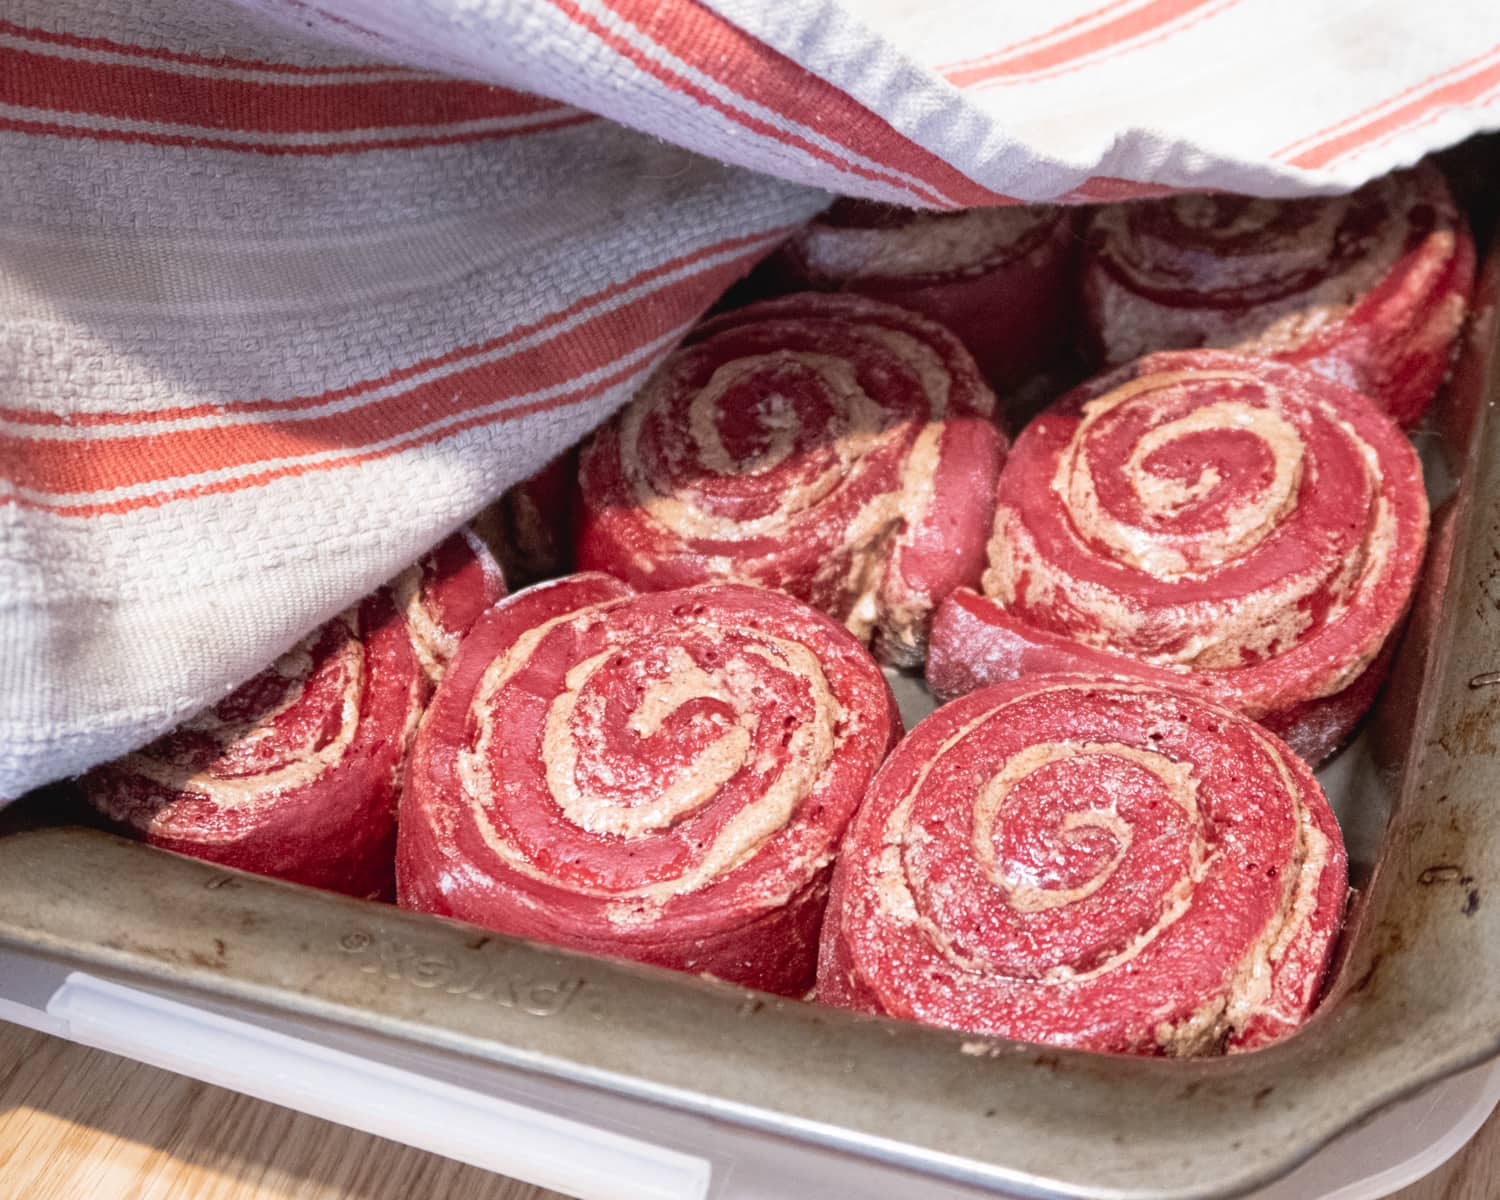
(1414, 997)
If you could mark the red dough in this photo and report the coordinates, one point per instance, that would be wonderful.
(1369, 289)
(443, 594)
(663, 777)
(1088, 863)
(531, 525)
(297, 773)
(1244, 529)
(1000, 278)
(832, 447)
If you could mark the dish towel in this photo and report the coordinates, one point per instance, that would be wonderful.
(289, 289)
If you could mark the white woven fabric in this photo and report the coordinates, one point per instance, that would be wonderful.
(282, 299)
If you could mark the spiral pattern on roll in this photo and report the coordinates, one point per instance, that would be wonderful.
(1369, 288)
(297, 773)
(661, 776)
(1088, 863)
(828, 446)
(1246, 528)
(443, 593)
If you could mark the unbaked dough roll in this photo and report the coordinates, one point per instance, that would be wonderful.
(661, 776)
(297, 773)
(1000, 278)
(444, 593)
(530, 527)
(1088, 863)
(832, 447)
(1241, 528)
(1370, 288)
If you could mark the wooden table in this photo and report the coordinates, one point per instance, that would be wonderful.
(78, 1123)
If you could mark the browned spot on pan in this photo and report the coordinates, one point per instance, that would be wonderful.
(1472, 732)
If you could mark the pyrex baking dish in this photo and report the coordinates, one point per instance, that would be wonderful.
(1415, 996)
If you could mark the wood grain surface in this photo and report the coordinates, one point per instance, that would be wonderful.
(77, 1123)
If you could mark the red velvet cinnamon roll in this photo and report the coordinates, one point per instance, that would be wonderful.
(1369, 289)
(833, 447)
(530, 526)
(1000, 278)
(1088, 863)
(1241, 528)
(295, 774)
(660, 776)
(444, 592)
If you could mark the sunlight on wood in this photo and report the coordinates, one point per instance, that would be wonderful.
(77, 1122)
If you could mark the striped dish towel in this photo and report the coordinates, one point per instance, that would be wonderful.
(289, 289)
